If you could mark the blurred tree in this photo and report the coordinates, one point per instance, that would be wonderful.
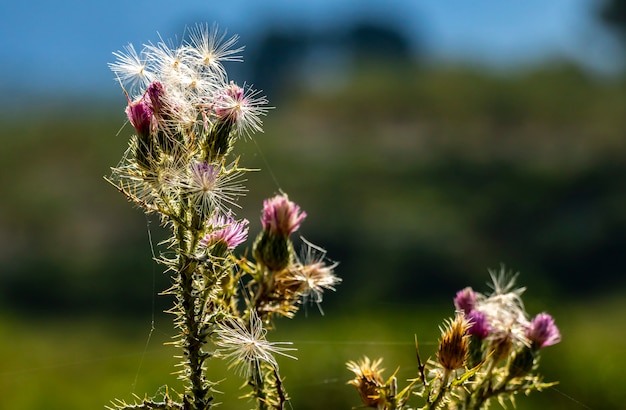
(284, 55)
(276, 59)
(613, 14)
(378, 40)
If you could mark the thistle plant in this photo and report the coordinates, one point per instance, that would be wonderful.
(180, 165)
(489, 350)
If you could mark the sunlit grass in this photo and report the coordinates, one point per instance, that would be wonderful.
(63, 364)
(84, 363)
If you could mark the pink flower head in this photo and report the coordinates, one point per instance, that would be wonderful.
(479, 326)
(155, 93)
(542, 331)
(239, 108)
(204, 175)
(230, 101)
(139, 114)
(227, 231)
(281, 216)
(465, 300)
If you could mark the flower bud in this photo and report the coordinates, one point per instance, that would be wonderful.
(139, 114)
(478, 331)
(141, 117)
(227, 109)
(465, 300)
(156, 93)
(369, 382)
(454, 343)
(219, 141)
(478, 324)
(281, 216)
(273, 251)
(542, 331)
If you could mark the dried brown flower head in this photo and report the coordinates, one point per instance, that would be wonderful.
(454, 343)
(368, 381)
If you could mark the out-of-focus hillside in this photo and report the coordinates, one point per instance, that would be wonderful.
(413, 178)
(433, 175)
(416, 179)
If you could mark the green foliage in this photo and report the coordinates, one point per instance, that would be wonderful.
(434, 174)
(88, 361)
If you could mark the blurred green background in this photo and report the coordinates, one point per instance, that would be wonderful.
(417, 176)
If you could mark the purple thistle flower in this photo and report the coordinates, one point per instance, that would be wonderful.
(465, 300)
(478, 324)
(156, 93)
(240, 108)
(227, 231)
(542, 331)
(140, 116)
(211, 187)
(281, 216)
(204, 176)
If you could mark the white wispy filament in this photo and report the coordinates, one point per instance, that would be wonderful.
(245, 348)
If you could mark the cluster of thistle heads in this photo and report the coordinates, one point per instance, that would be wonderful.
(489, 350)
(187, 116)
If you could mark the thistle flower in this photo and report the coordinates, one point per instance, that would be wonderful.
(246, 347)
(478, 325)
(155, 93)
(140, 116)
(172, 111)
(208, 49)
(173, 166)
(209, 187)
(168, 61)
(504, 310)
(226, 231)
(465, 300)
(240, 109)
(454, 343)
(281, 216)
(368, 381)
(478, 330)
(132, 70)
(542, 331)
(308, 277)
(193, 74)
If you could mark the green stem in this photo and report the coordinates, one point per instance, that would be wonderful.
(483, 389)
(442, 391)
(197, 397)
(257, 384)
(282, 399)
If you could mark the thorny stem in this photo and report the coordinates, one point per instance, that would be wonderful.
(482, 391)
(420, 366)
(280, 390)
(441, 392)
(257, 384)
(150, 405)
(197, 398)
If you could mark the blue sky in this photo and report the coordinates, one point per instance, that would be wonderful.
(66, 44)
